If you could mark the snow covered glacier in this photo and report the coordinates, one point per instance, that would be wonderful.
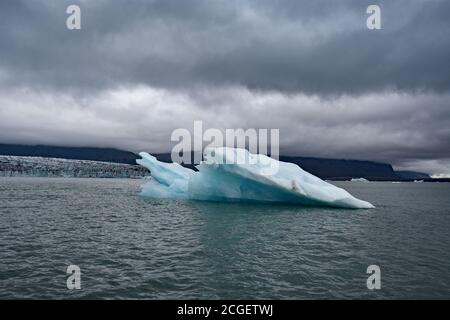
(25, 166)
(229, 174)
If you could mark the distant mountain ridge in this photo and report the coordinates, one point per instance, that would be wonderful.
(341, 169)
(336, 169)
(76, 153)
(412, 175)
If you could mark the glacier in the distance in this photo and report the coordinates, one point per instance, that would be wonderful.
(232, 174)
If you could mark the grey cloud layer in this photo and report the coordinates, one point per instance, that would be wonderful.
(310, 46)
(392, 127)
(139, 69)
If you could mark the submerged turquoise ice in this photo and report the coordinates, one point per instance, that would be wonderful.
(229, 174)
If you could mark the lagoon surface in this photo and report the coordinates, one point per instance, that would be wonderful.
(128, 246)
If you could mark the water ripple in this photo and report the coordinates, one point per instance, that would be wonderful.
(132, 247)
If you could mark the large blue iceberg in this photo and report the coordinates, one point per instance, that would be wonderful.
(229, 174)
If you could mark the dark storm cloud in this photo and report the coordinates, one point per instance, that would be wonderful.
(309, 46)
(139, 69)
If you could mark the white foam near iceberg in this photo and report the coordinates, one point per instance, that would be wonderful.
(229, 174)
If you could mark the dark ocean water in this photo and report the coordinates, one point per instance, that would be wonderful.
(132, 247)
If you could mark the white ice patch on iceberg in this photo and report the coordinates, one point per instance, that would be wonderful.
(229, 174)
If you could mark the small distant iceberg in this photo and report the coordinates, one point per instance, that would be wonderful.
(418, 181)
(232, 174)
(359, 180)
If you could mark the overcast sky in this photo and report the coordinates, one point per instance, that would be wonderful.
(137, 70)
